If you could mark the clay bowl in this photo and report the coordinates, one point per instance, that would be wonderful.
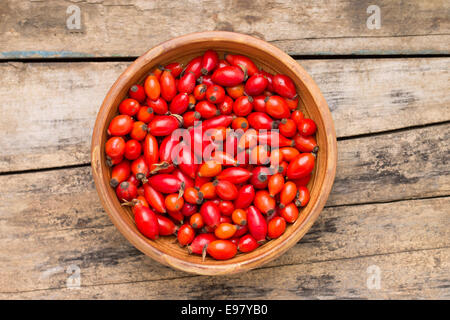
(271, 59)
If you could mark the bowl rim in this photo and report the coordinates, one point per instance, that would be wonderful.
(173, 261)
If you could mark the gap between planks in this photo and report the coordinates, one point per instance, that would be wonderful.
(325, 207)
(95, 257)
(295, 57)
(191, 276)
(298, 27)
(64, 140)
(384, 132)
(366, 135)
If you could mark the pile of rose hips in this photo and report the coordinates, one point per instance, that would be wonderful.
(244, 192)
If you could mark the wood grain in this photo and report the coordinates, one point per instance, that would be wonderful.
(400, 165)
(121, 28)
(70, 227)
(81, 234)
(370, 169)
(49, 121)
(52, 219)
(406, 275)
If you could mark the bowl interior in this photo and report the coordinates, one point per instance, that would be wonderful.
(164, 249)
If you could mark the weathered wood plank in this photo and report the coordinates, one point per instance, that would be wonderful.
(121, 27)
(408, 275)
(400, 165)
(367, 96)
(51, 220)
(48, 120)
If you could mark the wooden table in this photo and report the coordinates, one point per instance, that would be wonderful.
(385, 230)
